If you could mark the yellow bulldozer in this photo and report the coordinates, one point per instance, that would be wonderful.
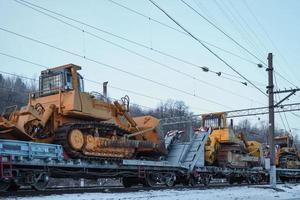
(84, 124)
(287, 155)
(224, 148)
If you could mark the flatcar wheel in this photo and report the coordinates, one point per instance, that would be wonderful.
(193, 182)
(283, 179)
(185, 182)
(127, 182)
(231, 180)
(149, 181)
(4, 185)
(239, 181)
(170, 180)
(41, 183)
(206, 180)
(13, 187)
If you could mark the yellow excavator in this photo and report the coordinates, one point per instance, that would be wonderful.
(226, 149)
(84, 124)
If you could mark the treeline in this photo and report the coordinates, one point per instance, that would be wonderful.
(257, 132)
(167, 109)
(14, 91)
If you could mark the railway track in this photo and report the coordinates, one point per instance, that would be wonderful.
(108, 189)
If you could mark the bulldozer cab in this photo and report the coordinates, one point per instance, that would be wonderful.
(62, 78)
(214, 120)
(283, 141)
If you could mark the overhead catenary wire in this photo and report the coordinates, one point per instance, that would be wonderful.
(203, 9)
(114, 68)
(296, 115)
(287, 122)
(223, 32)
(235, 23)
(206, 69)
(20, 76)
(276, 73)
(177, 30)
(245, 28)
(280, 116)
(248, 26)
(89, 80)
(87, 58)
(26, 92)
(206, 47)
(86, 79)
(149, 58)
(269, 38)
(7, 88)
(24, 60)
(236, 16)
(285, 79)
(125, 90)
(260, 42)
(277, 97)
(23, 2)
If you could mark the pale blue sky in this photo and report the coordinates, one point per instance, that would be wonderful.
(280, 21)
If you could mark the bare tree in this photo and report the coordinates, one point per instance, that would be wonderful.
(14, 91)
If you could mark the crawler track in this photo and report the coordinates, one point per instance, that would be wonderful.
(62, 137)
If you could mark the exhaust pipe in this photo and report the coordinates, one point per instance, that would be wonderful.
(105, 89)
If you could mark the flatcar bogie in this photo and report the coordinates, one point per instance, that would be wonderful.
(4, 185)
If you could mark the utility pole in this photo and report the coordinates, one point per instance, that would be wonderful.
(271, 121)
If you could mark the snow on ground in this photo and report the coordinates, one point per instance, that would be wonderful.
(232, 193)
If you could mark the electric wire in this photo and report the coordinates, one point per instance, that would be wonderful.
(237, 25)
(206, 47)
(223, 32)
(25, 3)
(26, 92)
(20, 76)
(86, 79)
(177, 30)
(24, 60)
(146, 57)
(248, 26)
(114, 68)
(267, 35)
(296, 115)
(284, 114)
(282, 122)
(91, 81)
(243, 32)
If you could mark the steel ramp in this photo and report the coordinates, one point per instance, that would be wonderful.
(195, 154)
(190, 154)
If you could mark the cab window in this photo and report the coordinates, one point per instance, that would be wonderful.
(68, 80)
(80, 83)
